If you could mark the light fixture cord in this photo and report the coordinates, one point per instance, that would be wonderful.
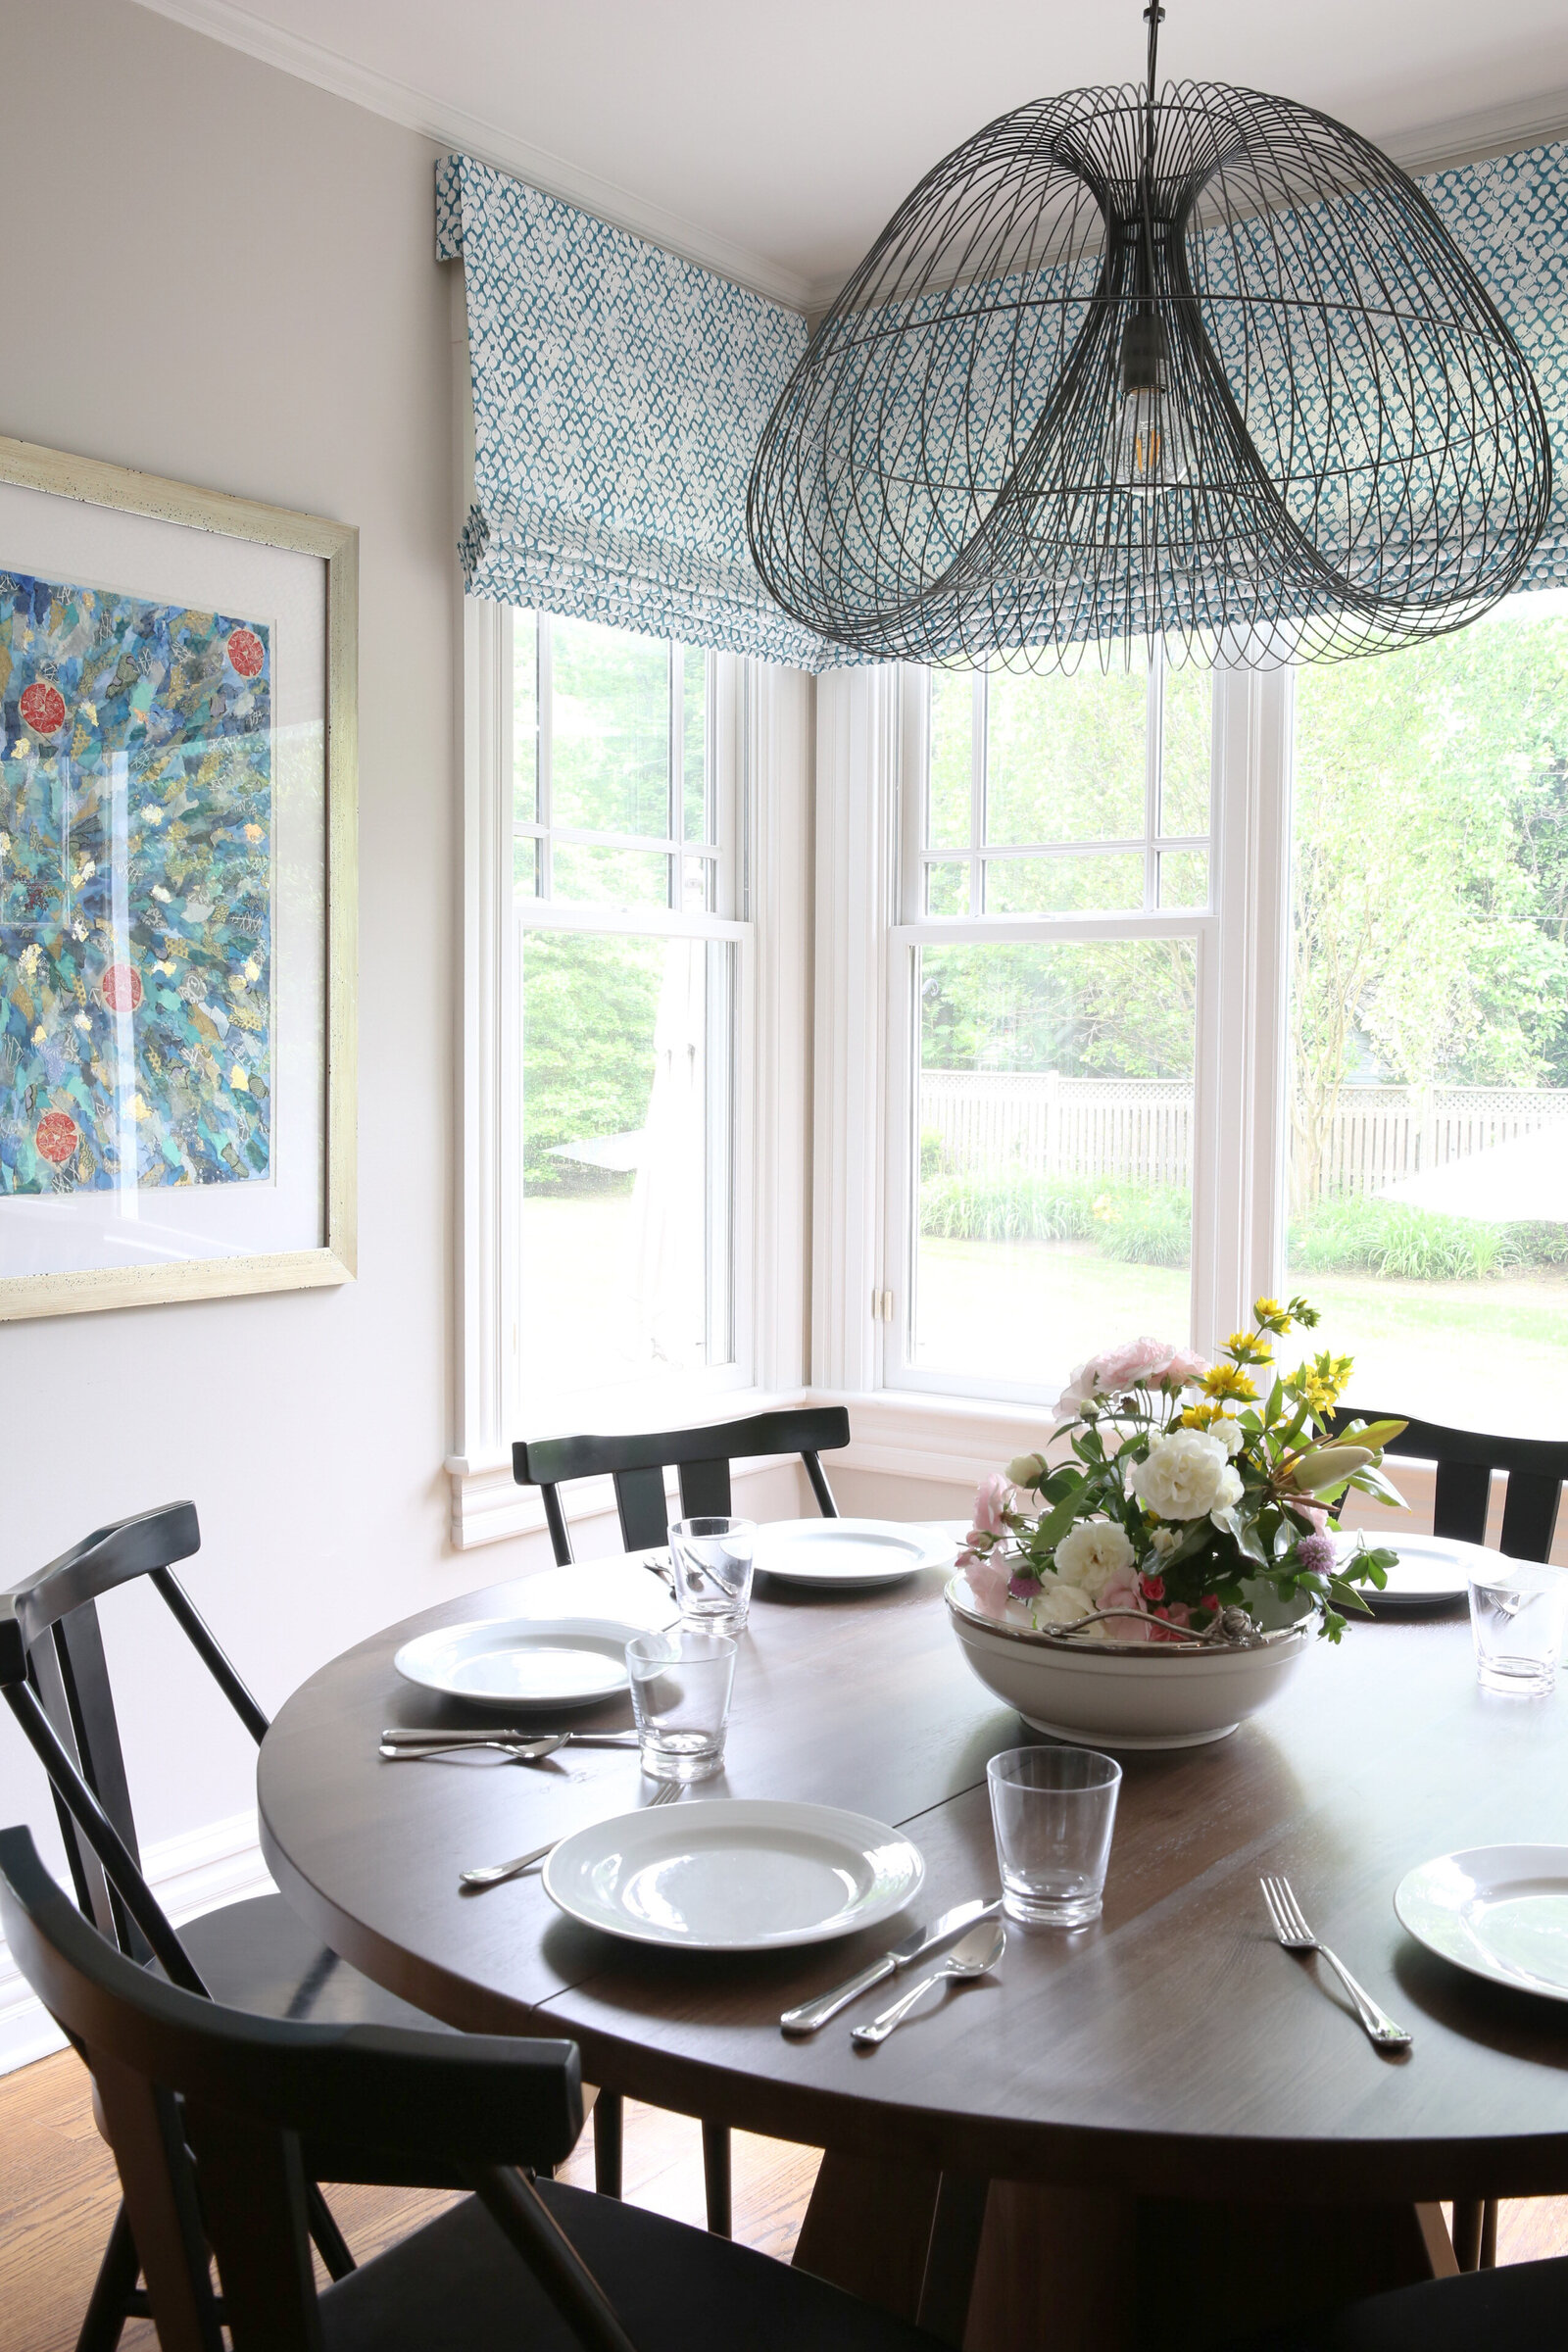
(1153, 18)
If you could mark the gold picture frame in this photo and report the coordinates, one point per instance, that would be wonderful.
(334, 546)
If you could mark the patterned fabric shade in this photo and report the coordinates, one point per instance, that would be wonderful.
(619, 396)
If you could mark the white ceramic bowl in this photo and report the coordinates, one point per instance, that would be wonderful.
(1164, 1696)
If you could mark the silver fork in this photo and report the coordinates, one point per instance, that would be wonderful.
(1290, 1926)
(492, 1874)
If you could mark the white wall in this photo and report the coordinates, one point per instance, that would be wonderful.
(222, 275)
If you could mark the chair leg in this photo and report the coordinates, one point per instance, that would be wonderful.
(116, 2283)
(1468, 2223)
(610, 2121)
(330, 2244)
(716, 2178)
(1488, 2257)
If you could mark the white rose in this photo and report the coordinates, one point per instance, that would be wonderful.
(1231, 1435)
(1061, 1604)
(1228, 1491)
(1181, 1475)
(1091, 1554)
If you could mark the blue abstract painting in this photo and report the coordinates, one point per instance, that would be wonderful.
(135, 892)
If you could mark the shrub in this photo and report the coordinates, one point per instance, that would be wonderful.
(1413, 1245)
(1008, 1207)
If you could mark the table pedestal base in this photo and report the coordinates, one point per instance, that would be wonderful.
(1087, 2271)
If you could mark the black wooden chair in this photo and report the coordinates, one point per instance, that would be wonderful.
(701, 1459)
(1535, 1469)
(1521, 2308)
(255, 1955)
(213, 2113)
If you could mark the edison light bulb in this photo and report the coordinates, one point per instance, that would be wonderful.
(1150, 448)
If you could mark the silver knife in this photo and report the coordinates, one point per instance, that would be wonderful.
(811, 2014)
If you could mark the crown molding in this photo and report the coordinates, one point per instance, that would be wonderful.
(1435, 147)
(452, 127)
(1472, 138)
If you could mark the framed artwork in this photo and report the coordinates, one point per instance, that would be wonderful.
(177, 916)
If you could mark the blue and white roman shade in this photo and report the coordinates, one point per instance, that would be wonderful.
(1509, 216)
(619, 393)
(619, 396)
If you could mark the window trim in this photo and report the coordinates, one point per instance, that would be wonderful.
(870, 754)
(763, 712)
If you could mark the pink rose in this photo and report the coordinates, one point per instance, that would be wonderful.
(1123, 1592)
(992, 1498)
(1136, 1364)
(1184, 1367)
(988, 1582)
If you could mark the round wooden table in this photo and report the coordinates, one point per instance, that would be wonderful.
(1185, 2087)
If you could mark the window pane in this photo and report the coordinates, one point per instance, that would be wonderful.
(1184, 878)
(947, 886)
(1055, 1127)
(626, 1218)
(524, 718)
(610, 731)
(1065, 756)
(589, 872)
(1185, 750)
(950, 794)
(1428, 1177)
(527, 861)
(694, 743)
(1063, 885)
(698, 878)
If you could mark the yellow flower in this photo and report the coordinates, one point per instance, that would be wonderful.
(1269, 1315)
(1103, 1207)
(1228, 1380)
(1248, 1348)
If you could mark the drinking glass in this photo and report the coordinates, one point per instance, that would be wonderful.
(712, 1562)
(1516, 1618)
(680, 1686)
(1052, 1810)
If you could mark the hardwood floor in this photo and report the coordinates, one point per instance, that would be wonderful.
(58, 2195)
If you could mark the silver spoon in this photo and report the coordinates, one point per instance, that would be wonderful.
(972, 1956)
(492, 1874)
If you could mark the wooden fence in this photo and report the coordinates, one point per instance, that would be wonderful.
(1140, 1130)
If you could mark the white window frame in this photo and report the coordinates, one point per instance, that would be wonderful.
(760, 717)
(870, 764)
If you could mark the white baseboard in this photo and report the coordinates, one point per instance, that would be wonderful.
(199, 1870)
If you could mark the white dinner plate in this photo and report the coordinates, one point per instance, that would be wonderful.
(847, 1556)
(734, 1873)
(1500, 1911)
(1431, 1572)
(521, 1661)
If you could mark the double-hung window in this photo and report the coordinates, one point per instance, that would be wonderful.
(1044, 1013)
(626, 980)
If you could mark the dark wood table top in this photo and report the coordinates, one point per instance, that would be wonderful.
(1171, 2050)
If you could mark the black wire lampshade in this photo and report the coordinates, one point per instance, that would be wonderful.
(1204, 366)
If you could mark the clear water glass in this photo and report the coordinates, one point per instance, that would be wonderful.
(713, 1560)
(680, 1687)
(1052, 1810)
(1517, 1612)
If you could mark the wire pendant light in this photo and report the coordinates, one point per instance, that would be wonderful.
(1202, 365)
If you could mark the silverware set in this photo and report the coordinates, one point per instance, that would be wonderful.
(520, 1747)
(973, 1920)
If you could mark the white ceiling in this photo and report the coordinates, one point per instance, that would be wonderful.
(772, 138)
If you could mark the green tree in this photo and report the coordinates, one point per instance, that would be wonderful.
(589, 1008)
(1430, 871)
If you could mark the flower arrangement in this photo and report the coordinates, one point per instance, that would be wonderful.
(1184, 1482)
